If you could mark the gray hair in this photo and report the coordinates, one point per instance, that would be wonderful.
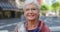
(27, 2)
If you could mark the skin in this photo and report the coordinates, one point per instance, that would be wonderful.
(31, 14)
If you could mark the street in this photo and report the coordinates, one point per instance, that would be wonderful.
(10, 24)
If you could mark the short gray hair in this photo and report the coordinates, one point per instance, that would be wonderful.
(27, 2)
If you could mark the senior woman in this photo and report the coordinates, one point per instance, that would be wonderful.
(32, 23)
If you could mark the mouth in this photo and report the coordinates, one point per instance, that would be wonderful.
(31, 16)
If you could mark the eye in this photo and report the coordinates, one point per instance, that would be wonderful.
(33, 9)
(27, 9)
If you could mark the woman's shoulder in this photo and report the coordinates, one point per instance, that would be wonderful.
(20, 26)
(41, 22)
(44, 27)
(20, 23)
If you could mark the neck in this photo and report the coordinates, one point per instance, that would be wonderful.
(32, 21)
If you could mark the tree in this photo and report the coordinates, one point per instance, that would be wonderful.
(56, 6)
(43, 9)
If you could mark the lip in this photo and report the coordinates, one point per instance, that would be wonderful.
(30, 15)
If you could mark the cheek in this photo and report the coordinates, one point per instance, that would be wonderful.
(36, 15)
(36, 12)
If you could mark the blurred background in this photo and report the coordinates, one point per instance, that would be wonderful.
(11, 13)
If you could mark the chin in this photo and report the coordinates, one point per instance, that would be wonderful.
(31, 18)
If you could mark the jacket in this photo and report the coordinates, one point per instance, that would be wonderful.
(43, 27)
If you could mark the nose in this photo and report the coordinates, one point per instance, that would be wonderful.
(31, 11)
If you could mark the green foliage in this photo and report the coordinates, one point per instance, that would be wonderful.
(56, 5)
(44, 7)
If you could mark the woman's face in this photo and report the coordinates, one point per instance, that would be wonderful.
(31, 12)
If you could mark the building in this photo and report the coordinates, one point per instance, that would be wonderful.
(8, 9)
